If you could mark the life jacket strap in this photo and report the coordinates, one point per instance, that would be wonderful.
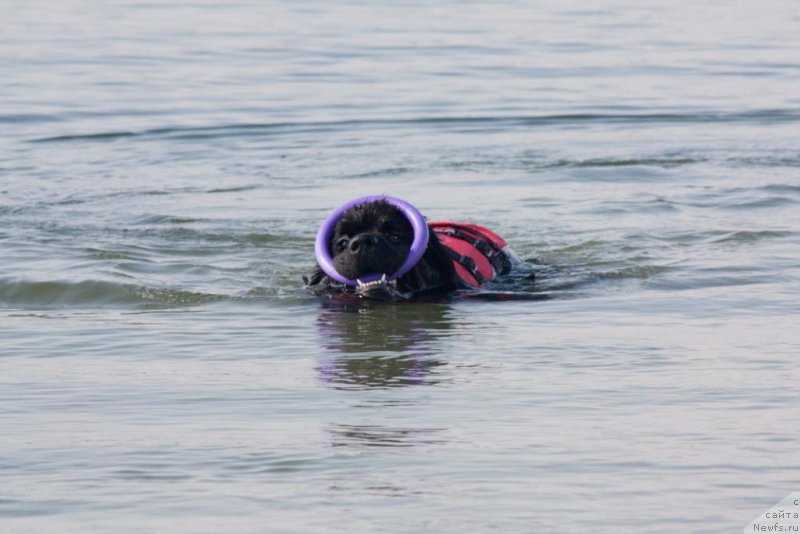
(487, 247)
(467, 263)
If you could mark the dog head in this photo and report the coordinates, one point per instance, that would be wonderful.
(371, 238)
(375, 237)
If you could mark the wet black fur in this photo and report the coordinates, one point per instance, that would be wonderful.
(376, 237)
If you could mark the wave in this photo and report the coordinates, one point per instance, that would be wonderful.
(26, 293)
(261, 129)
(663, 162)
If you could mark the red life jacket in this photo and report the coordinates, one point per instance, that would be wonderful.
(479, 255)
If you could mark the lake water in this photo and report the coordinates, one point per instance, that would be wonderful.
(164, 167)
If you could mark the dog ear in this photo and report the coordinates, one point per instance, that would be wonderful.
(434, 272)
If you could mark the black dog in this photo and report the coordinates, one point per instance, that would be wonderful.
(376, 237)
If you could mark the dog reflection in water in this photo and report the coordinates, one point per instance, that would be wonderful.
(374, 346)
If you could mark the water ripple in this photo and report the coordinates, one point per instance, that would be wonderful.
(27, 293)
(262, 129)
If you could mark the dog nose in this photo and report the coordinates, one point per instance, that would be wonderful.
(363, 243)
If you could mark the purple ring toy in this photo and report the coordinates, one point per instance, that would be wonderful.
(418, 246)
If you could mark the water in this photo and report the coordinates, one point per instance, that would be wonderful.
(163, 171)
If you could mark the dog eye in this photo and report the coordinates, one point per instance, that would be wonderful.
(395, 238)
(341, 244)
